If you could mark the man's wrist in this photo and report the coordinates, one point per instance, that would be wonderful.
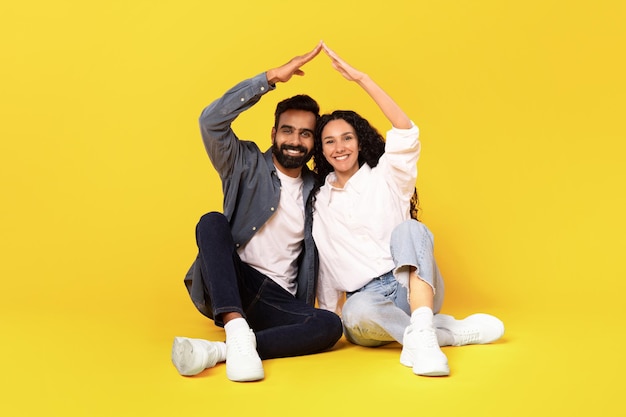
(271, 76)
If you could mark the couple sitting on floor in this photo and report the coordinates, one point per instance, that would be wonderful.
(289, 236)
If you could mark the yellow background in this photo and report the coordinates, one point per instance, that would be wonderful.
(521, 110)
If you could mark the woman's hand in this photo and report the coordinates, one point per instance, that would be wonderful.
(390, 109)
(345, 69)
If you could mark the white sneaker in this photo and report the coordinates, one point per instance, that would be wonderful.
(475, 329)
(192, 356)
(421, 351)
(242, 360)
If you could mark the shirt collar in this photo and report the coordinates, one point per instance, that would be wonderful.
(358, 182)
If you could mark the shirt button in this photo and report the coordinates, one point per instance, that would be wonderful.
(237, 245)
(253, 228)
(262, 88)
(272, 209)
(243, 99)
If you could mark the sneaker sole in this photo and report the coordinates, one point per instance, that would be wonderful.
(405, 359)
(246, 375)
(183, 357)
(443, 370)
(431, 372)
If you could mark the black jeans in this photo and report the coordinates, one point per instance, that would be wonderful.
(283, 325)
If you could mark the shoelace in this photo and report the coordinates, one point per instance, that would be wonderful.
(244, 343)
(429, 337)
(466, 336)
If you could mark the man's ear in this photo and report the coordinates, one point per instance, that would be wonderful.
(273, 135)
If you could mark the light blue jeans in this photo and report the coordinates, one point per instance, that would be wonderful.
(379, 312)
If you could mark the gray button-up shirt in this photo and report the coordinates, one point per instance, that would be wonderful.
(250, 185)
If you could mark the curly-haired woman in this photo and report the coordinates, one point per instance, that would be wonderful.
(370, 248)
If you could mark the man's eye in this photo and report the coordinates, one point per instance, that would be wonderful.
(286, 130)
(306, 134)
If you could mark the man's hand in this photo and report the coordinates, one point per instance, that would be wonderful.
(291, 68)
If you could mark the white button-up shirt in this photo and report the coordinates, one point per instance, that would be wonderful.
(352, 225)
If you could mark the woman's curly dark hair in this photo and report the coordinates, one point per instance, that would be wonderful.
(371, 143)
(371, 148)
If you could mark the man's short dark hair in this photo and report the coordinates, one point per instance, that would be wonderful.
(299, 102)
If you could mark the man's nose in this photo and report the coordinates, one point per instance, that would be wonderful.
(295, 139)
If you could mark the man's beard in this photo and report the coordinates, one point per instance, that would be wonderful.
(289, 161)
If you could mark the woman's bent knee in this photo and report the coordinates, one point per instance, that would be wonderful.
(410, 227)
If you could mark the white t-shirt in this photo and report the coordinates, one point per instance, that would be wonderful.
(275, 247)
(352, 225)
